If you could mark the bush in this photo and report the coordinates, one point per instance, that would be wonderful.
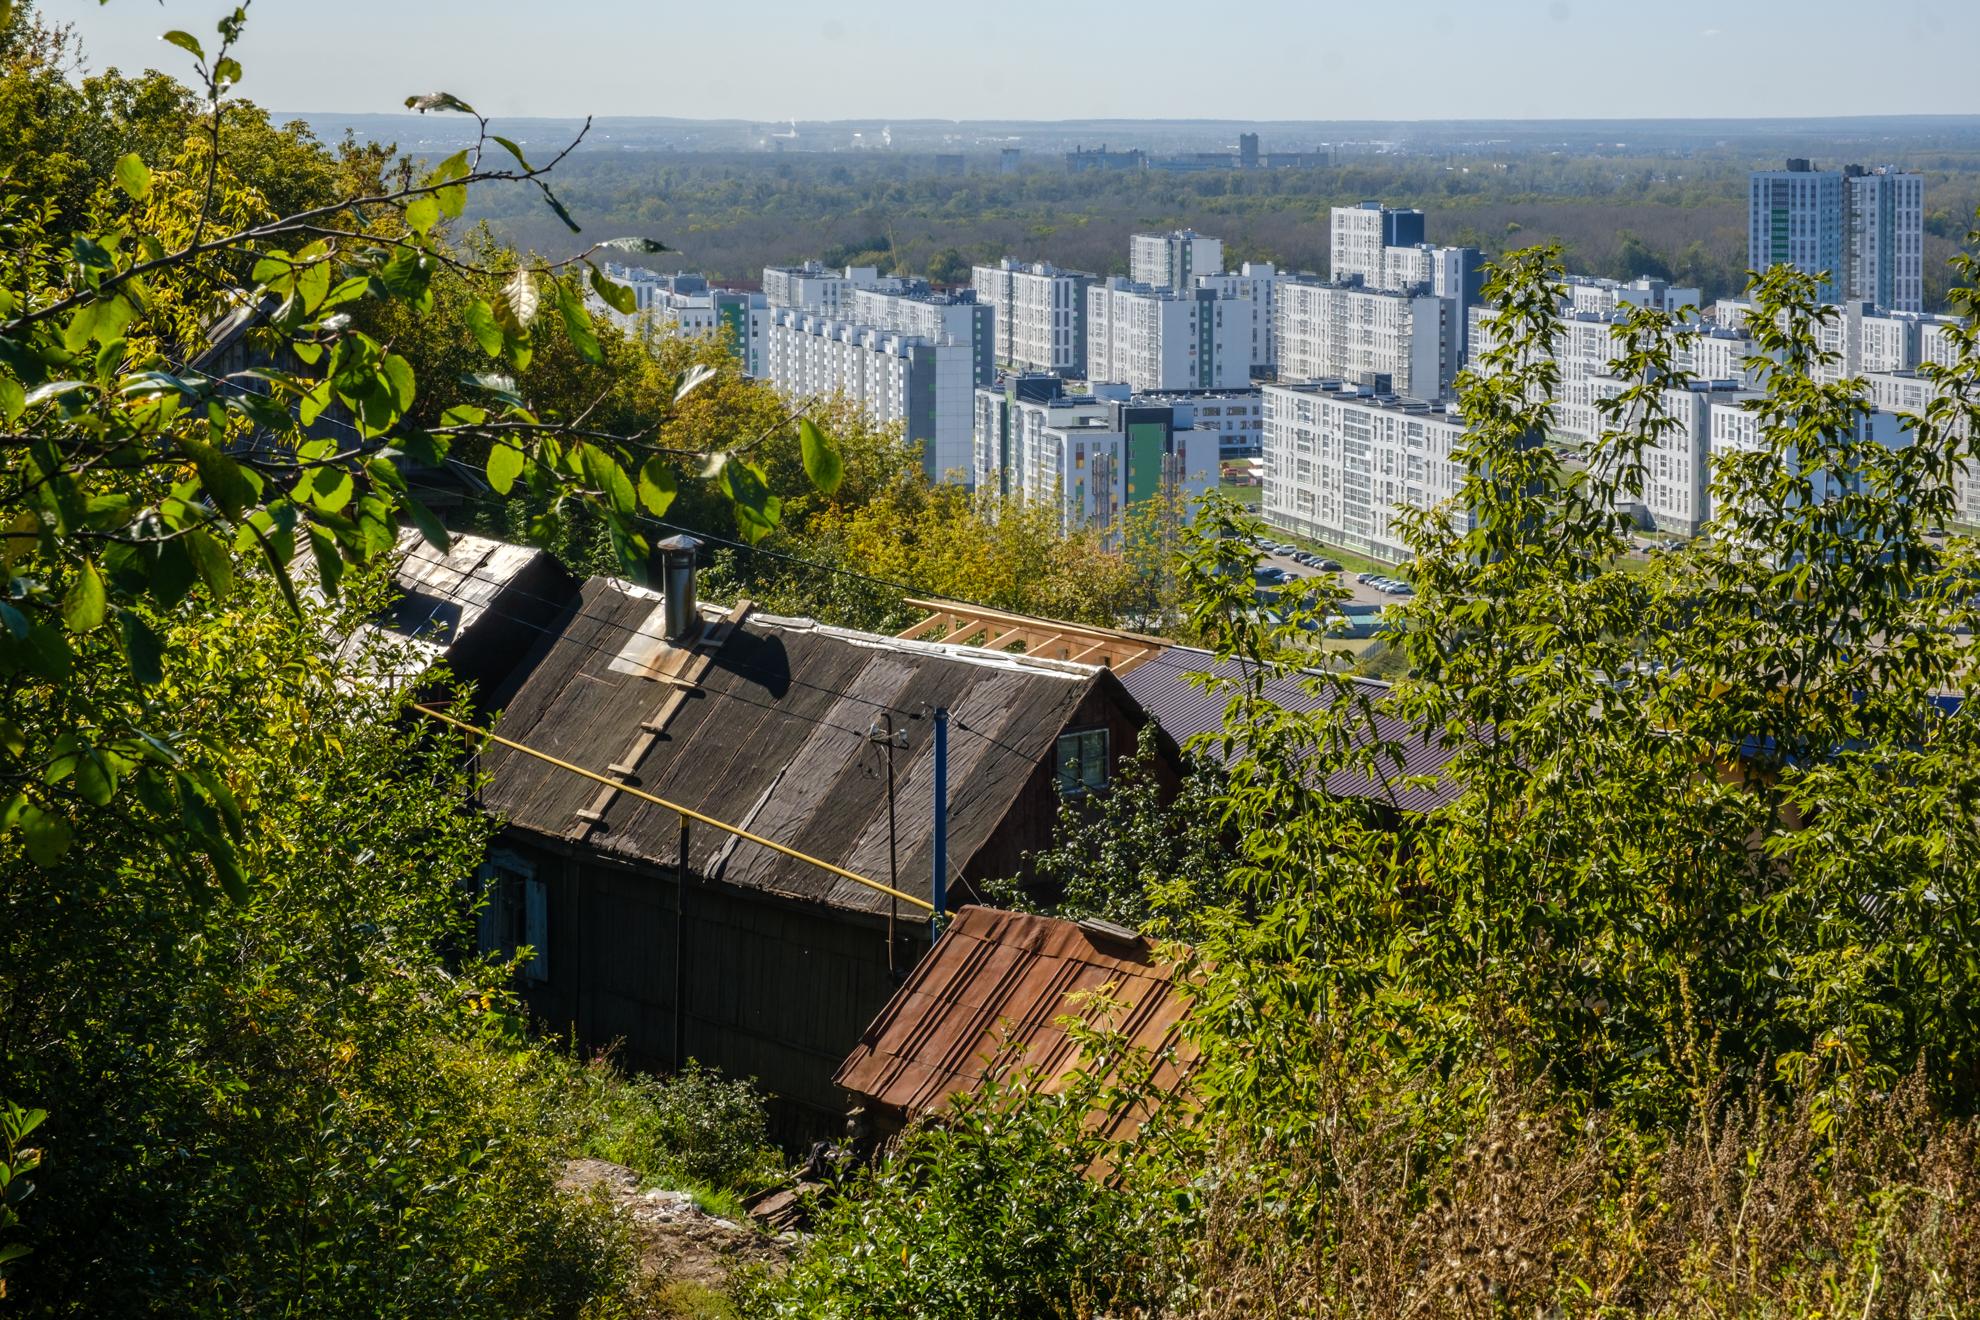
(988, 1213)
(694, 1130)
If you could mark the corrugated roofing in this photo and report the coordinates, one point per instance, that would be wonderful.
(1162, 684)
(998, 980)
(773, 738)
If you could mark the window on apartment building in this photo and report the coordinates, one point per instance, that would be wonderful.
(1082, 759)
(515, 913)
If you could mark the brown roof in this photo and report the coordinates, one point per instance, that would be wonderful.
(772, 738)
(1000, 978)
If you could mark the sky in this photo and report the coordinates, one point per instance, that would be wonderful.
(1078, 59)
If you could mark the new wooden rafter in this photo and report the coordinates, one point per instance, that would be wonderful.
(1048, 639)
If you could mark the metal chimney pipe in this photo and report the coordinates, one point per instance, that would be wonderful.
(678, 581)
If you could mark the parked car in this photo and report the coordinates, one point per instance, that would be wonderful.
(1364, 578)
(1270, 576)
(1328, 566)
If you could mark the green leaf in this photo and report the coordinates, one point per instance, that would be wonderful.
(757, 510)
(562, 214)
(513, 150)
(143, 649)
(821, 457)
(505, 464)
(577, 324)
(215, 564)
(452, 200)
(185, 41)
(407, 274)
(331, 487)
(96, 781)
(313, 285)
(329, 560)
(83, 606)
(429, 526)
(228, 868)
(617, 296)
(422, 213)
(224, 480)
(47, 835)
(603, 474)
(13, 399)
(133, 177)
(656, 486)
(482, 325)
(226, 72)
(399, 373)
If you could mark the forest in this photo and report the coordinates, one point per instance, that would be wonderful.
(1680, 217)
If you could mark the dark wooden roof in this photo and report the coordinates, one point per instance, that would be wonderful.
(773, 738)
(998, 980)
(1168, 686)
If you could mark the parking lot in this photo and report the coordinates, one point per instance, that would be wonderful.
(1359, 592)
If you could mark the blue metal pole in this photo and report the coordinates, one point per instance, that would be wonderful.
(939, 893)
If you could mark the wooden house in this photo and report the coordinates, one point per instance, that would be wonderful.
(763, 964)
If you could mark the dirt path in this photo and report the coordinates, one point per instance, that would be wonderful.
(678, 1241)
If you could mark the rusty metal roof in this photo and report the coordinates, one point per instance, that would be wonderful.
(1167, 687)
(998, 980)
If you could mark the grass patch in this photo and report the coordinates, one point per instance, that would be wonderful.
(1248, 496)
(695, 1131)
(680, 1299)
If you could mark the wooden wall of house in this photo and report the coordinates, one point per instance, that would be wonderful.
(1034, 815)
(777, 990)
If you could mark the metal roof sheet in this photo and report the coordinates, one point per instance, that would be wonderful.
(1000, 980)
(1184, 708)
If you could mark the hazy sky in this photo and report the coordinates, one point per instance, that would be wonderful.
(1052, 59)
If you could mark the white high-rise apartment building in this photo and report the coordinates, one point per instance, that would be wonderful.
(1040, 315)
(1887, 238)
(1601, 297)
(815, 288)
(1795, 218)
(1092, 456)
(1864, 229)
(1258, 283)
(1348, 333)
(1160, 339)
(1174, 260)
(1236, 417)
(893, 378)
(686, 306)
(1342, 465)
(1357, 236)
(939, 318)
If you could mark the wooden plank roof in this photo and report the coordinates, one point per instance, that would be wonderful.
(773, 738)
(1052, 639)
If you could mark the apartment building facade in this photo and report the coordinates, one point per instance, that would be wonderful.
(1342, 464)
(1174, 260)
(894, 378)
(1093, 457)
(1155, 338)
(1038, 315)
(1405, 343)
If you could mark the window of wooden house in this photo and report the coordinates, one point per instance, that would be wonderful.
(515, 913)
(1082, 759)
